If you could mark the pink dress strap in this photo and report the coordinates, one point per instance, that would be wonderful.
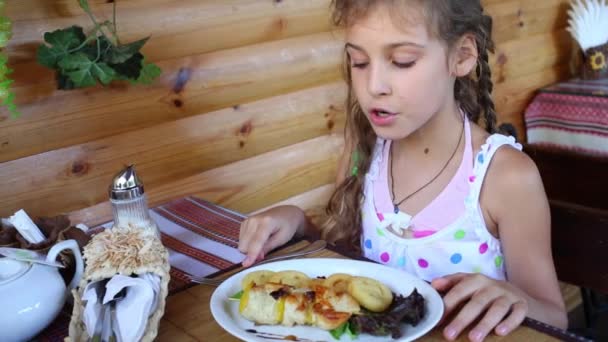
(445, 208)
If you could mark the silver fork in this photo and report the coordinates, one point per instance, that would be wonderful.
(312, 248)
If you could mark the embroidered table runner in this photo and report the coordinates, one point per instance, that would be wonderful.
(570, 115)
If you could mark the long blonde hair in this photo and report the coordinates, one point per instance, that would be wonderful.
(448, 20)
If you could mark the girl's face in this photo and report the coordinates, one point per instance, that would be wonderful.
(399, 75)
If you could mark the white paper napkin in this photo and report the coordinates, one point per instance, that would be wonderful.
(26, 227)
(132, 311)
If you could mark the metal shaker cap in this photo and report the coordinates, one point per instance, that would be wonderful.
(126, 185)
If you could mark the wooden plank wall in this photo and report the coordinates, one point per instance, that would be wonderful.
(257, 121)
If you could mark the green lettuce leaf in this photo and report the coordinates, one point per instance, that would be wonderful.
(343, 329)
(236, 296)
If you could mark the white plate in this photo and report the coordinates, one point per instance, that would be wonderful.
(226, 313)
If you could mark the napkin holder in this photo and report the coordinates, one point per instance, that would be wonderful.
(127, 251)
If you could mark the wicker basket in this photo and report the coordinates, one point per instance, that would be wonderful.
(127, 251)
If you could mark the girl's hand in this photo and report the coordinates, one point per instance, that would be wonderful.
(504, 305)
(269, 229)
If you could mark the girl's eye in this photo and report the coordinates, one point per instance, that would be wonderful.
(359, 65)
(404, 65)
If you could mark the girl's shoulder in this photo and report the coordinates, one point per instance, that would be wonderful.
(512, 179)
(508, 163)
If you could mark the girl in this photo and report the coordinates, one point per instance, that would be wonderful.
(428, 190)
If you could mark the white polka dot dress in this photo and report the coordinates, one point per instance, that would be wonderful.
(465, 245)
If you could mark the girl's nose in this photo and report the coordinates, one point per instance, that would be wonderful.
(378, 83)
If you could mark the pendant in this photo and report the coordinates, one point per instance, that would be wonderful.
(403, 221)
(400, 224)
(396, 209)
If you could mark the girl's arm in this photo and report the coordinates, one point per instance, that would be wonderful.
(524, 223)
(521, 212)
(514, 202)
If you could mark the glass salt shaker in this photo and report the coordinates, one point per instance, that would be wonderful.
(129, 202)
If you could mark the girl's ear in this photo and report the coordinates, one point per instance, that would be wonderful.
(464, 56)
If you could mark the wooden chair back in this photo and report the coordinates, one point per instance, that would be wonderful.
(576, 186)
(580, 245)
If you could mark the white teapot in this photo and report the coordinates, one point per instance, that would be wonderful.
(33, 294)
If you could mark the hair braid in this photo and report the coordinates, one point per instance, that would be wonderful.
(484, 74)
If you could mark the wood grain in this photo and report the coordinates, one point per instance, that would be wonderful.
(514, 20)
(249, 184)
(176, 28)
(189, 86)
(169, 152)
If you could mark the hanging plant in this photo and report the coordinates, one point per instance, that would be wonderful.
(83, 60)
(6, 95)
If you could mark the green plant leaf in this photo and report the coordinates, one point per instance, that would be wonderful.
(91, 49)
(84, 72)
(63, 81)
(5, 24)
(67, 38)
(61, 42)
(82, 78)
(84, 4)
(103, 73)
(5, 31)
(81, 61)
(4, 38)
(149, 73)
(122, 53)
(4, 93)
(76, 61)
(131, 68)
(9, 102)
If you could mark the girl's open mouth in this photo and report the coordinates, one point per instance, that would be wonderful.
(381, 117)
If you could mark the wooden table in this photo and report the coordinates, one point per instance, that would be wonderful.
(188, 317)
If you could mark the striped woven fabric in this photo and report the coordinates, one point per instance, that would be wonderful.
(201, 238)
(571, 115)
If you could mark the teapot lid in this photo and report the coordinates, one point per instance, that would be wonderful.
(126, 185)
(11, 269)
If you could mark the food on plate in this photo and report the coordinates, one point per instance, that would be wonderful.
(340, 303)
(291, 278)
(257, 277)
(338, 281)
(273, 303)
(408, 310)
(370, 293)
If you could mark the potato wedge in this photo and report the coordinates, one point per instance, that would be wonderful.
(292, 278)
(370, 293)
(256, 277)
